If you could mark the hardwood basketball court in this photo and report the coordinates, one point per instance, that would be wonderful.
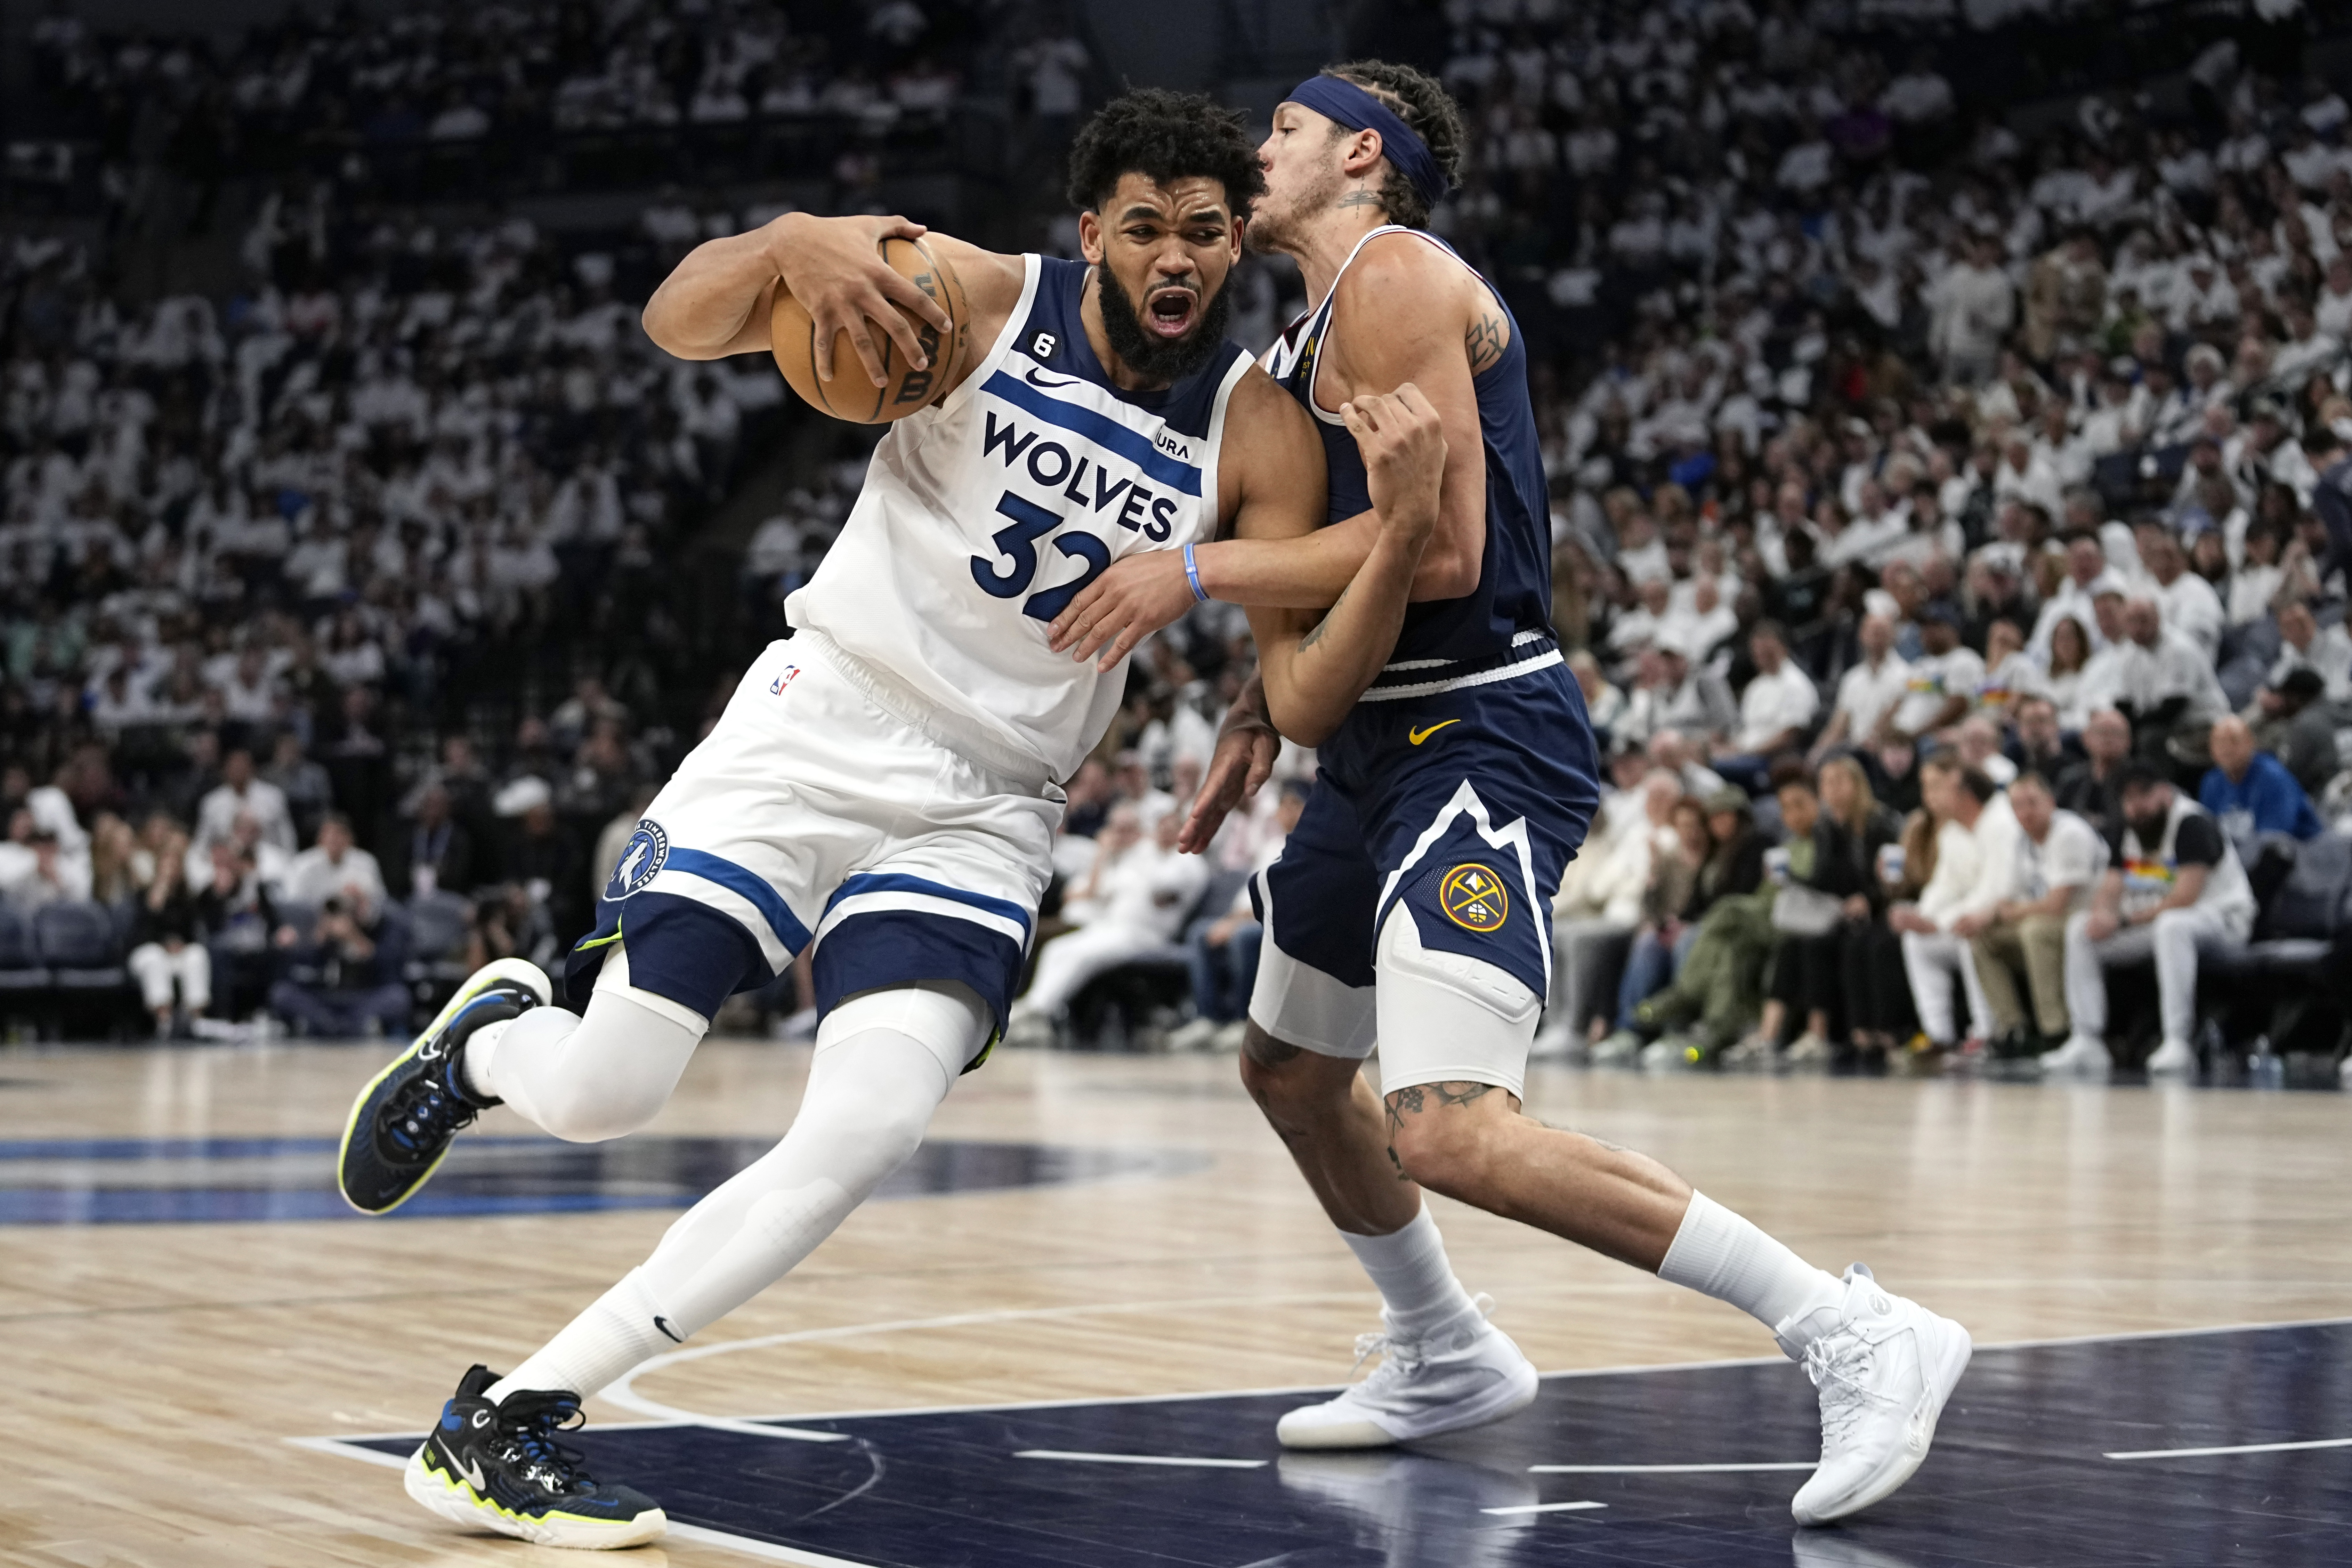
(1091, 1229)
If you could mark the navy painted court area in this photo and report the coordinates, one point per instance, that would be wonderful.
(176, 1181)
(2059, 1453)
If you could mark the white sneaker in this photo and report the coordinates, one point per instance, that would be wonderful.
(1227, 1041)
(1809, 1049)
(1556, 1043)
(1195, 1036)
(2080, 1054)
(2173, 1058)
(1884, 1369)
(2344, 1073)
(1465, 1374)
(1757, 1050)
(1620, 1049)
(1674, 1052)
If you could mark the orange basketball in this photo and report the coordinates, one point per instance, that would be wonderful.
(850, 395)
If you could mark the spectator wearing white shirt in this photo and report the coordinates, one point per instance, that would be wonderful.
(1148, 893)
(2303, 645)
(1976, 856)
(1868, 692)
(1775, 710)
(242, 792)
(2059, 857)
(1943, 680)
(2187, 603)
(335, 867)
(2157, 678)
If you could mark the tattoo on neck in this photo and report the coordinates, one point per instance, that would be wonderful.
(1358, 199)
(1485, 340)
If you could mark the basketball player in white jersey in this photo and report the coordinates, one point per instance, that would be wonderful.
(883, 784)
(1468, 766)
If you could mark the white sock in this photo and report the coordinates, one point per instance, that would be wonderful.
(482, 1048)
(1719, 1254)
(615, 1333)
(1416, 1282)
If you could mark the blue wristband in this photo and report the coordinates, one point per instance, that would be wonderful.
(1193, 575)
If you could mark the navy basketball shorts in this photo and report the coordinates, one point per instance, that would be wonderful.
(1433, 843)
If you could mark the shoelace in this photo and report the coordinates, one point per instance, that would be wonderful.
(425, 1114)
(529, 1419)
(1405, 1356)
(1838, 1374)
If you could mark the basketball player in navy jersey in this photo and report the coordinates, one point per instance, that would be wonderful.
(1411, 904)
(881, 788)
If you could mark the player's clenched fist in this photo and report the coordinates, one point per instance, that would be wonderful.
(1403, 447)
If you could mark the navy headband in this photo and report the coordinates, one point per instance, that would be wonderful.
(1339, 100)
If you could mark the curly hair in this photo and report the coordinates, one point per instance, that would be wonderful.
(1165, 136)
(1418, 101)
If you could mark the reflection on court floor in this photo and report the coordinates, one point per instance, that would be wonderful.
(2231, 1446)
(167, 1181)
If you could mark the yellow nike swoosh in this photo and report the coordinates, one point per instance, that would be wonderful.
(1418, 736)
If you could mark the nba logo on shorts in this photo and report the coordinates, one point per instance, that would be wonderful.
(792, 673)
(1475, 899)
(648, 849)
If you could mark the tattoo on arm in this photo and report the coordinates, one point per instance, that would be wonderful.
(1484, 341)
(1315, 636)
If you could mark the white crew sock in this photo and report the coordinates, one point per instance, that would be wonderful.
(616, 1332)
(481, 1049)
(1416, 1282)
(1719, 1254)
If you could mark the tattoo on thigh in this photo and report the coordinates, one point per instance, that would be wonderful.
(1461, 1093)
(1403, 1102)
(1402, 1174)
(1415, 1100)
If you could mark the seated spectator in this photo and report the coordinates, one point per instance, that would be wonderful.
(1600, 902)
(506, 921)
(2173, 889)
(2251, 791)
(1223, 949)
(2089, 788)
(234, 909)
(1145, 900)
(303, 782)
(1670, 907)
(2039, 745)
(242, 793)
(342, 980)
(1604, 703)
(1868, 692)
(2059, 857)
(1775, 711)
(1879, 1014)
(2292, 721)
(1716, 994)
(1976, 855)
(1943, 680)
(2303, 645)
(335, 867)
(1977, 738)
(168, 947)
(2062, 681)
(1824, 854)
(47, 878)
(436, 852)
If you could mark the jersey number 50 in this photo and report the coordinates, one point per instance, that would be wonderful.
(1018, 544)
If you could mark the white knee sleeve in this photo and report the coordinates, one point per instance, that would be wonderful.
(1445, 1017)
(592, 1078)
(883, 1061)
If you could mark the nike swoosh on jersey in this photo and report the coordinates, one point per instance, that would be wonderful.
(1418, 736)
(1032, 379)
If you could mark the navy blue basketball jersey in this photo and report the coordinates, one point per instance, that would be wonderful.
(1507, 619)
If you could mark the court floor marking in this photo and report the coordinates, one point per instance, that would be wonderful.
(765, 1551)
(2235, 1448)
(1178, 1460)
(1677, 1469)
(1544, 1508)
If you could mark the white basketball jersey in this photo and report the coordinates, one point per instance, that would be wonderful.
(982, 519)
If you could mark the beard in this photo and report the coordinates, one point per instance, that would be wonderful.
(1274, 227)
(1156, 358)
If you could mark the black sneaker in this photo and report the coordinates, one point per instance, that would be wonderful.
(400, 1125)
(498, 1467)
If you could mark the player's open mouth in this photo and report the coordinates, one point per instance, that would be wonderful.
(1169, 313)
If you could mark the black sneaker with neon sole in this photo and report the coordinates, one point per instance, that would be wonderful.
(500, 1467)
(400, 1125)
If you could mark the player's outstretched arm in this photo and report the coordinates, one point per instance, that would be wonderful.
(1314, 678)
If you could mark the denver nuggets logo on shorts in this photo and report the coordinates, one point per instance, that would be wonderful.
(1475, 899)
(648, 849)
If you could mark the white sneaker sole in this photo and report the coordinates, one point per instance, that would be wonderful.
(1513, 1394)
(459, 1504)
(1951, 1360)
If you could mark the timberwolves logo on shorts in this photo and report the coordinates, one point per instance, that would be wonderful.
(649, 848)
(1475, 899)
